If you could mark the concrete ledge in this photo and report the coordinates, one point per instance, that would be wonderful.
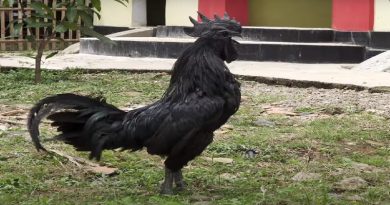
(249, 50)
(377, 40)
(134, 32)
(262, 34)
(288, 74)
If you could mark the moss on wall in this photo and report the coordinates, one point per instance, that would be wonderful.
(292, 13)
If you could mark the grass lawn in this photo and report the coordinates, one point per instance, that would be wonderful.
(303, 155)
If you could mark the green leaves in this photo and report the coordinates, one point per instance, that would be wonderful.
(90, 32)
(34, 22)
(17, 28)
(78, 16)
(66, 26)
(8, 3)
(123, 2)
(71, 13)
(97, 5)
(42, 10)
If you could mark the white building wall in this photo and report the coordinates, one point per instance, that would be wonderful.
(382, 15)
(177, 12)
(117, 15)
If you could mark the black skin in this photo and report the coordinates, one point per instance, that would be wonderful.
(201, 97)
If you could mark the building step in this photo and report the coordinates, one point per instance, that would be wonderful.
(284, 34)
(371, 52)
(248, 50)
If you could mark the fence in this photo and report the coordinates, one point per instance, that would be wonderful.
(14, 13)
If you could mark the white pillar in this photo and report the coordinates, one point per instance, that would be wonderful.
(139, 13)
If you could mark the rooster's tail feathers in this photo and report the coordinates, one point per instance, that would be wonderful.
(89, 124)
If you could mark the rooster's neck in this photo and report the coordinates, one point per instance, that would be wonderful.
(199, 68)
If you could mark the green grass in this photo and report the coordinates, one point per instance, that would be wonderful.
(334, 144)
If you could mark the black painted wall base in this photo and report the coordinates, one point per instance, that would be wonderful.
(265, 44)
(304, 53)
(106, 30)
(373, 39)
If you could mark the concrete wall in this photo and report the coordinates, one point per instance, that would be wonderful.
(116, 15)
(382, 15)
(177, 12)
(291, 13)
(353, 15)
(237, 9)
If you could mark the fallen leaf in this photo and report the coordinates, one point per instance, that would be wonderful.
(103, 170)
(220, 160)
(14, 112)
(85, 164)
(280, 111)
(227, 126)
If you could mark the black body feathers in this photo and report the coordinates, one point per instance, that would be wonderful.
(201, 97)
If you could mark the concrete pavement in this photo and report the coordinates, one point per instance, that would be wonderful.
(292, 74)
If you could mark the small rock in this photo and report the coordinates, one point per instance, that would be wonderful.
(3, 127)
(337, 172)
(264, 123)
(352, 183)
(334, 196)
(220, 160)
(198, 198)
(304, 176)
(250, 153)
(375, 144)
(364, 167)
(227, 176)
(333, 110)
(354, 198)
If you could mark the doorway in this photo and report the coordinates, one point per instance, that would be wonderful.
(155, 11)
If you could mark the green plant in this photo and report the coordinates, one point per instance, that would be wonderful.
(79, 16)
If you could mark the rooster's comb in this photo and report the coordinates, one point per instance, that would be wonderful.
(208, 27)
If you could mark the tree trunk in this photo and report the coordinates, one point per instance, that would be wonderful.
(38, 60)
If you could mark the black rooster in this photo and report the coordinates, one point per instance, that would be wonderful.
(201, 97)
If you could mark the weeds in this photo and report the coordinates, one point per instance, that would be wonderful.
(329, 146)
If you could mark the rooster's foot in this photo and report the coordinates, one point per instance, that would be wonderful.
(166, 186)
(179, 181)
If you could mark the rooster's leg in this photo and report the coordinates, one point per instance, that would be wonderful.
(166, 187)
(178, 178)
